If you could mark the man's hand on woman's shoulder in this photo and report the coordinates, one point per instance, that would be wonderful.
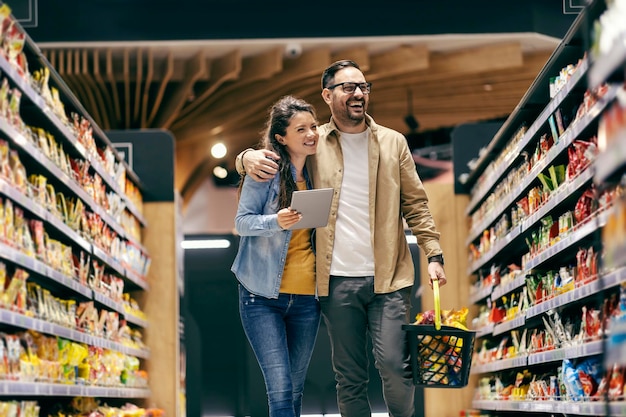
(260, 164)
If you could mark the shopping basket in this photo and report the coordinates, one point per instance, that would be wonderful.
(441, 356)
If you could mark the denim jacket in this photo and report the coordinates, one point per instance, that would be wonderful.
(263, 245)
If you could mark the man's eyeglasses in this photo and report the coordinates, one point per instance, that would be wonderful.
(350, 88)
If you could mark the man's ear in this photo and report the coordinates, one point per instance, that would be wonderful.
(326, 95)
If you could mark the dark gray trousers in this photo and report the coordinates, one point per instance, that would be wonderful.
(352, 312)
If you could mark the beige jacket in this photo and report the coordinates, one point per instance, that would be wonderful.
(396, 191)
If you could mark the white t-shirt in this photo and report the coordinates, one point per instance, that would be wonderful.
(352, 252)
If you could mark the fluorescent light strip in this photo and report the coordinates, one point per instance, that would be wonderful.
(339, 415)
(205, 244)
(325, 415)
(224, 243)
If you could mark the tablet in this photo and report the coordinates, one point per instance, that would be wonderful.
(314, 205)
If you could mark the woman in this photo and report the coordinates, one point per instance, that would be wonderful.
(275, 266)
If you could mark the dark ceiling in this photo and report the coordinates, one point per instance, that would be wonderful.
(208, 70)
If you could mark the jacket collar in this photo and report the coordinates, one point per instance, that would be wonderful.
(305, 172)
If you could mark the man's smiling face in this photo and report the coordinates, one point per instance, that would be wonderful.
(348, 109)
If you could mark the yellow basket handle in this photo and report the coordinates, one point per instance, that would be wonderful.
(437, 304)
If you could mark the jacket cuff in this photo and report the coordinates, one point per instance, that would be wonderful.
(436, 258)
(241, 169)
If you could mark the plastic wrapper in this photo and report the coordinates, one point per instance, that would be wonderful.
(452, 318)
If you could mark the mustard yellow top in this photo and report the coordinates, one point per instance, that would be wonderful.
(299, 272)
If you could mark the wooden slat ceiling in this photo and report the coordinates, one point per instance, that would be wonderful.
(203, 99)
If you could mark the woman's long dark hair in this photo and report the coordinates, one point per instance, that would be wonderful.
(280, 115)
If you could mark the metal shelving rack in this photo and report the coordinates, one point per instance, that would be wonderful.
(533, 111)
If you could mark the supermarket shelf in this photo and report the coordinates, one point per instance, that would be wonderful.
(28, 262)
(108, 302)
(500, 365)
(571, 239)
(29, 204)
(611, 159)
(130, 318)
(610, 280)
(496, 249)
(480, 294)
(564, 299)
(570, 352)
(485, 330)
(69, 96)
(564, 407)
(569, 136)
(136, 279)
(480, 194)
(65, 390)
(25, 322)
(505, 326)
(564, 141)
(609, 63)
(501, 290)
(32, 95)
(22, 142)
(617, 408)
(557, 197)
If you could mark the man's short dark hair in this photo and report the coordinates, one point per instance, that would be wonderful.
(328, 76)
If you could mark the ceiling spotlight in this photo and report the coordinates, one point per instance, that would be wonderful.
(218, 151)
(220, 172)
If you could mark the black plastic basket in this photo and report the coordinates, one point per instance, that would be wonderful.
(441, 356)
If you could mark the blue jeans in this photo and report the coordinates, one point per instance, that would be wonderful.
(282, 334)
(352, 312)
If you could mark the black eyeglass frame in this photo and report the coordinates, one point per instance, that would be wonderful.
(360, 85)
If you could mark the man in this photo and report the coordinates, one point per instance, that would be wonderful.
(363, 264)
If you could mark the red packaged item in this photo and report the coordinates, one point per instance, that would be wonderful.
(584, 206)
(581, 265)
(593, 324)
(545, 143)
(587, 382)
(497, 314)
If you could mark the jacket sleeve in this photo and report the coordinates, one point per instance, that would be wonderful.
(251, 219)
(414, 203)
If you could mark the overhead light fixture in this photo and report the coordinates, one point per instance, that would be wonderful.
(205, 244)
(218, 151)
(225, 177)
(220, 172)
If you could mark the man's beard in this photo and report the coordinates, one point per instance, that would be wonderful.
(356, 117)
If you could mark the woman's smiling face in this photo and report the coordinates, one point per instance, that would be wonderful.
(301, 135)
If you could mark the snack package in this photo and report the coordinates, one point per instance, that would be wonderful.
(452, 318)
